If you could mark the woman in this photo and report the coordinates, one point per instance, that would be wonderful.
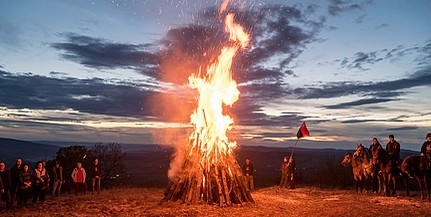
(41, 183)
(24, 186)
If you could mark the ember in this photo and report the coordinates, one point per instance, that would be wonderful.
(210, 172)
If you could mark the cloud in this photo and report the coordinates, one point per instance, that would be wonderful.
(336, 7)
(359, 103)
(100, 53)
(337, 89)
(402, 128)
(84, 95)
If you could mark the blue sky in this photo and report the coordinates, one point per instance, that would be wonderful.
(103, 71)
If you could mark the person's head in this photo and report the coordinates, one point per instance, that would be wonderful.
(39, 165)
(391, 137)
(2, 166)
(57, 164)
(18, 161)
(285, 159)
(375, 141)
(428, 136)
(247, 161)
(79, 164)
(25, 167)
(96, 160)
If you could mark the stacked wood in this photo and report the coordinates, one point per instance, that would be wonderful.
(215, 180)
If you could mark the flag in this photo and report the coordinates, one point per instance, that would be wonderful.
(303, 131)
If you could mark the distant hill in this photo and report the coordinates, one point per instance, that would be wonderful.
(30, 152)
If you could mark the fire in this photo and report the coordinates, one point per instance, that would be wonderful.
(217, 88)
(209, 171)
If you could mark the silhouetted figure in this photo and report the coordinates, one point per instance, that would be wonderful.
(247, 170)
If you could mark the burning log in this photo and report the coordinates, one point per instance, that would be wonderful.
(218, 183)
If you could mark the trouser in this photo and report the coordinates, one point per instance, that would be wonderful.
(56, 188)
(249, 182)
(80, 187)
(5, 196)
(284, 180)
(96, 183)
(23, 194)
(39, 192)
(291, 179)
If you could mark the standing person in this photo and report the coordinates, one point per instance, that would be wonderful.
(78, 176)
(15, 171)
(41, 183)
(25, 185)
(393, 149)
(57, 172)
(284, 172)
(247, 171)
(426, 148)
(291, 172)
(96, 174)
(6, 181)
(375, 161)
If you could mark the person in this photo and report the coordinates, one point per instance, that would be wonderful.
(78, 176)
(6, 181)
(426, 148)
(284, 172)
(15, 172)
(291, 172)
(41, 183)
(247, 171)
(375, 161)
(96, 174)
(57, 172)
(393, 149)
(24, 186)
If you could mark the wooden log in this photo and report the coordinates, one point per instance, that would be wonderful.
(225, 187)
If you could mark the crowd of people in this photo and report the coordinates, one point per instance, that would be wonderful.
(22, 186)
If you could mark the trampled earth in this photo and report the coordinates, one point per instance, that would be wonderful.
(272, 201)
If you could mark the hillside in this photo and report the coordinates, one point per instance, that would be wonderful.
(269, 202)
(10, 149)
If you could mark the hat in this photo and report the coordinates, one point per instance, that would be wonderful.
(428, 134)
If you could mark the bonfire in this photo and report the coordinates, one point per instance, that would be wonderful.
(210, 173)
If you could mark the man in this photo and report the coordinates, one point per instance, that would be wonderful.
(373, 150)
(426, 148)
(96, 176)
(247, 171)
(6, 181)
(15, 173)
(393, 149)
(57, 172)
(291, 172)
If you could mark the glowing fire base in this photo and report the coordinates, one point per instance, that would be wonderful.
(219, 184)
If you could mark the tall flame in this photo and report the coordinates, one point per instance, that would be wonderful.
(216, 88)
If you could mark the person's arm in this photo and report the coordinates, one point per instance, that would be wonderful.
(83, 174)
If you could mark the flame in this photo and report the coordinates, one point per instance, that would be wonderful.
(216, 89)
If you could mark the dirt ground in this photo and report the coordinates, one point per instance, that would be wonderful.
(270, 201)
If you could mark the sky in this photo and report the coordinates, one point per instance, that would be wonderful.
(117, 71)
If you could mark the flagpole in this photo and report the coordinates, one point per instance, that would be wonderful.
(293, 149)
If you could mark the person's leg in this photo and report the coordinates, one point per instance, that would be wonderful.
(98, 185)
(76, 188)
(60, 183)
(93, 183)
(54, 188)
(251, 183)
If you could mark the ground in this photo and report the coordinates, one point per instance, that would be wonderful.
(272, 201)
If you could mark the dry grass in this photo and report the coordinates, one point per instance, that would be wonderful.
(269, 202)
